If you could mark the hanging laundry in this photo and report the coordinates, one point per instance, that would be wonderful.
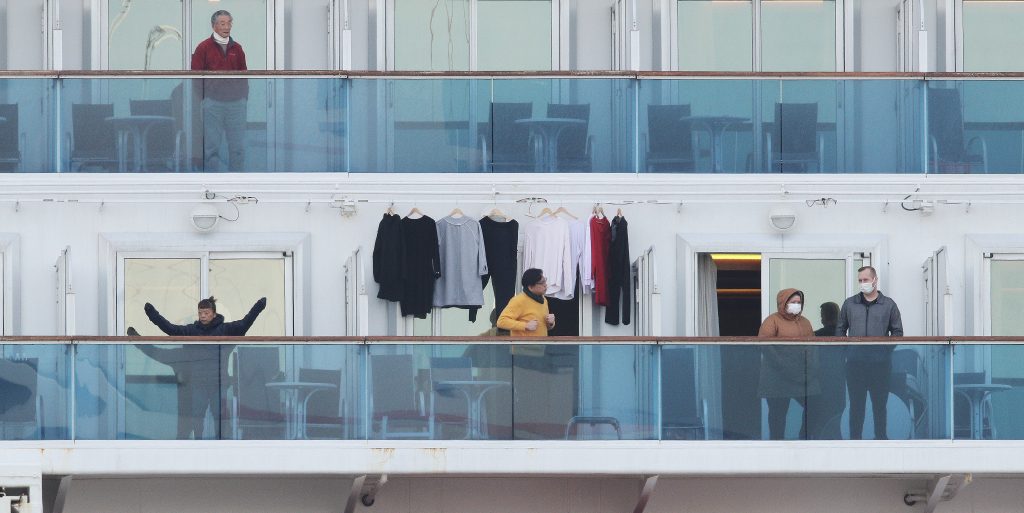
(547, 246)
(463, 264)
(501, 242)
(389, 258)
(578, 236)
(422, 265)
(619, 273)
(600, 239)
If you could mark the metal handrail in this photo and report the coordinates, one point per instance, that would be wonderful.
(601, 340)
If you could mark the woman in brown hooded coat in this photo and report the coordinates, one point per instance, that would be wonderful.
(787, 372)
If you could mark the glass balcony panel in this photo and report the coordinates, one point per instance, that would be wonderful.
(562, 125)
(440, 392)
(26, 136)
(803, 392)
(799, 123)
(989, 28)
(702, 126)
(310, 126)
(251, 392)
(993, 126)
(585, 392)
(715, 35)
(514, 35)
(798, 35)
(427, 126)
(432, 36)
(35, 385)
(987, 398)
(870, 135)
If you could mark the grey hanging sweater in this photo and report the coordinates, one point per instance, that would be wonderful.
(463, 262)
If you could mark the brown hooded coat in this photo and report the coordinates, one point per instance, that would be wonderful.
(788, 371)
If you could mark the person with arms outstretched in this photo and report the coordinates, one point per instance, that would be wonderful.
(198, 368)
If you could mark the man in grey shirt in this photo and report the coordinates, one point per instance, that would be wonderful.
(868, 367)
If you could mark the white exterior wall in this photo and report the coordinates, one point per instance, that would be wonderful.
(530, 495)
(44, 222)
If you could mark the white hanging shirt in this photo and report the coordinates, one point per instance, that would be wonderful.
(584, 258)
(547, 246)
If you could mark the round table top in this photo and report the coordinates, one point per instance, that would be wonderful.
(139, 119)
(473, 382)
(991, 387)
(715, 119)
(551, 121)
(300, 384)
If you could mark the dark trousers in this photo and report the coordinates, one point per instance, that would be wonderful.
(193, 401)
(863, 379)
(778, 408)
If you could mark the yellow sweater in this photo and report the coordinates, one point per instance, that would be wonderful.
(520, 310)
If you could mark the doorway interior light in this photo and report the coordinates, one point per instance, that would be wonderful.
(782, 220)
(736, 256)
(204, 217)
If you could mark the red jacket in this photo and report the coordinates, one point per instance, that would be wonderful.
(601, 240)
(210, 57)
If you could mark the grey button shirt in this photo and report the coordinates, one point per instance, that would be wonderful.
(463, 262)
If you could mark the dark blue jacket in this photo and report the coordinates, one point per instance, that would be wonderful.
(216, 328)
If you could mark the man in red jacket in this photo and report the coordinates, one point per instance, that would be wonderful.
(224, 99)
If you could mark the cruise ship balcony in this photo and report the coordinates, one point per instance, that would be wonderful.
(367, 408)
(564, 122)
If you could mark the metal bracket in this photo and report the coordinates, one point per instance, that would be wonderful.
(645, 494)
(364, 489)
(942, 489)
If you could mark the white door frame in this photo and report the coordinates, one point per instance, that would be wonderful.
(357, 302)
(560, 40)
(65, 294)
(843, 43)
(100, 28)
(9, 284)
(689, 246)
(114, 245)
(768, 305)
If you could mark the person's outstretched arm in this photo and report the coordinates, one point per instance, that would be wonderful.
(241, 326)
(165, 326)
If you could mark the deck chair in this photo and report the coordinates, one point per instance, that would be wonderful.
(165, 142)
(451, 406)
(21, 405)
(256, 410)
(682, 411)
(11, 141)
(92, 142)
(946, 136)
(398, 409)
(795, 145)
(325, 407)
(505, 143)
(669, 140)
(575, 147)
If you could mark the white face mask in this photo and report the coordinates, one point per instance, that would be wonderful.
(794, 308)
(867, 287)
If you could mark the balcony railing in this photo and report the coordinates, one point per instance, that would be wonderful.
(509, 389)
(511, 123)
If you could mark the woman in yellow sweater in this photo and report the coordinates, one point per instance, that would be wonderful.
(527, 314)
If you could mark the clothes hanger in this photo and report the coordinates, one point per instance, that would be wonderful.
(391, 209)
(598, 211)
(618, 213)
(562, 210)
(456, 212)
(496, 213)
(414, 212)
(546, 212)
